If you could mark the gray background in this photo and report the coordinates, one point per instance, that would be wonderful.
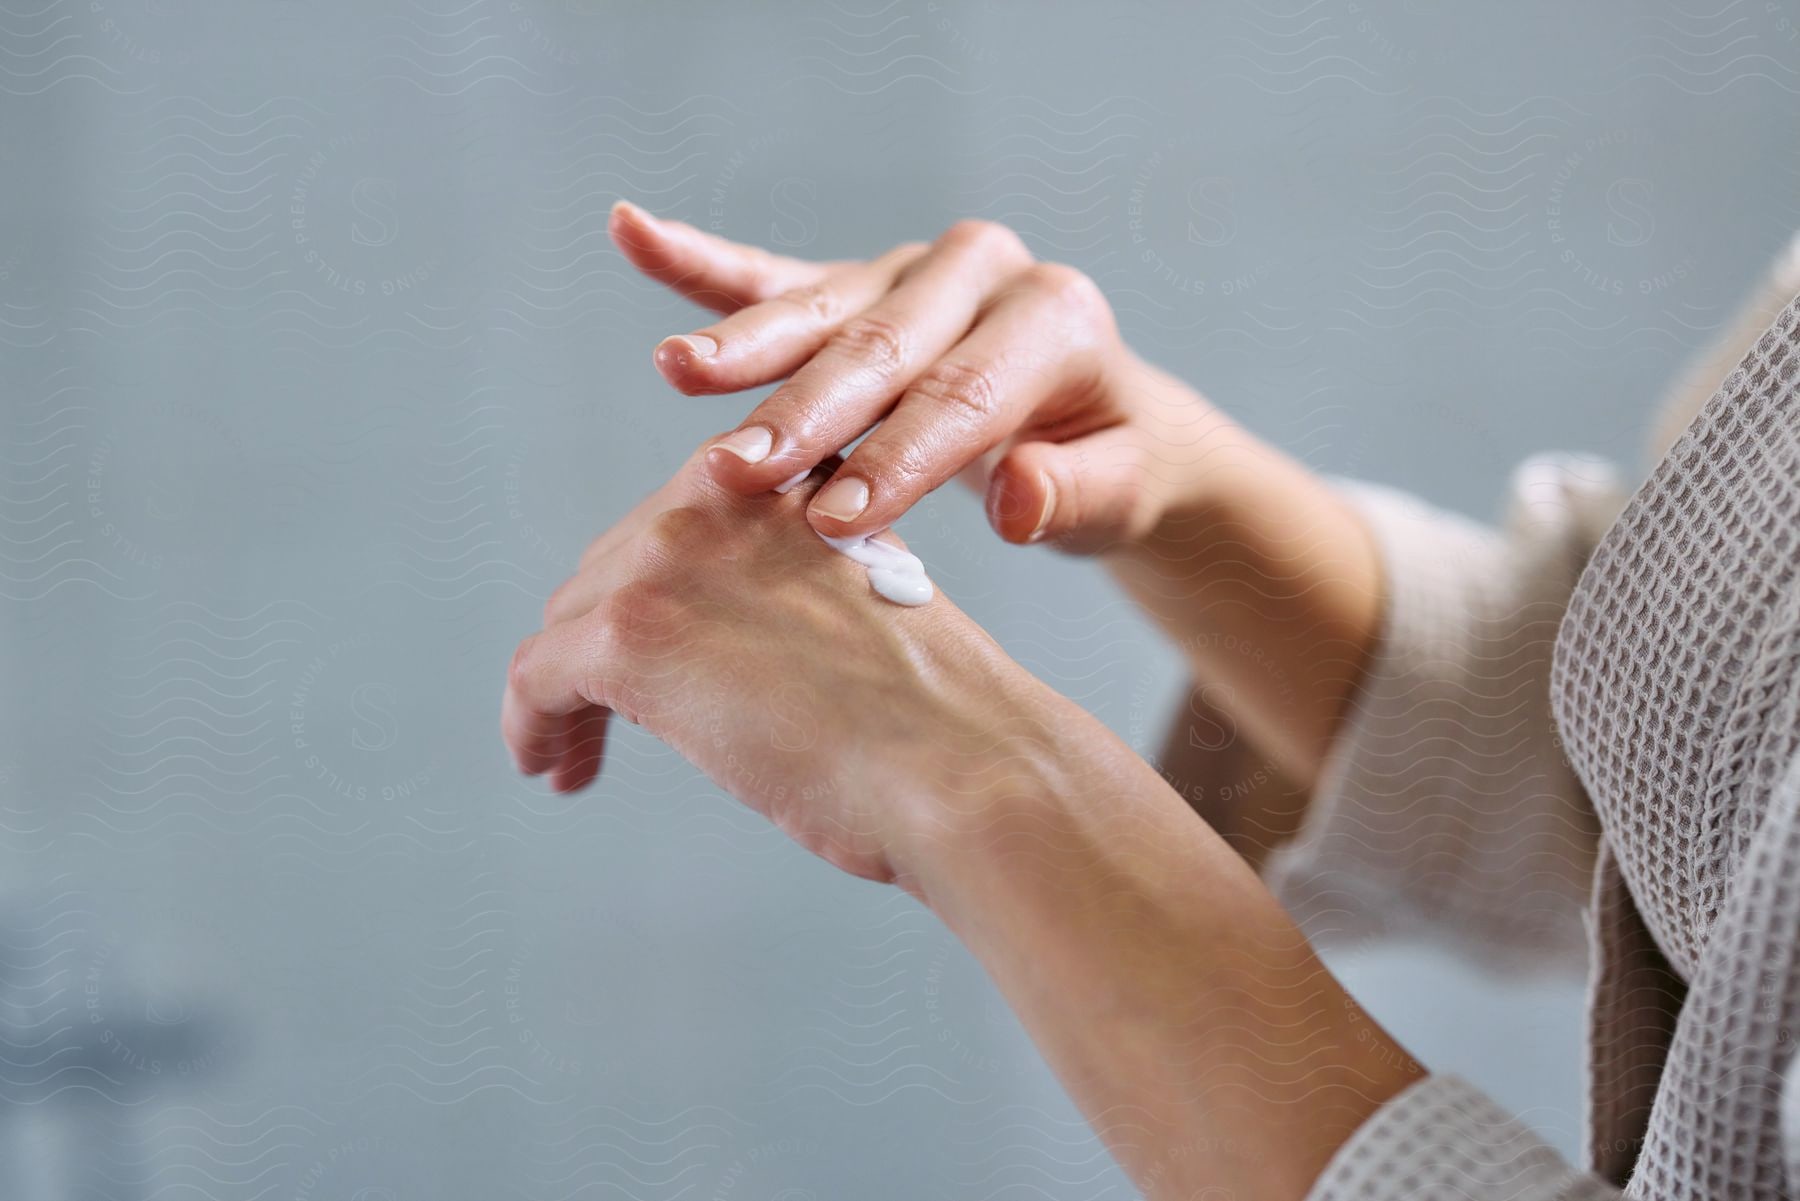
(319, 371)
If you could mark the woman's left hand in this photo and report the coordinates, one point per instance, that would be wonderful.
(902, 745)
(723, 625)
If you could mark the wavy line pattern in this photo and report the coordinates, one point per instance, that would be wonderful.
(869, 48)
(449, 48)
(1703, 50)
(1287, 49)
(50, 46)
(1454, 217)
(564, 275)
(319, 370)
(195, 746)
(195, 226)
(43, 510)
(1053, 175)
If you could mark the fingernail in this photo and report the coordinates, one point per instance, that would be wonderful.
(695, 346)
(626, 208)
(842, 499)
(751, 444)
(1043, 521)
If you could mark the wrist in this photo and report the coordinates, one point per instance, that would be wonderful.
(1269, 582)
(989, 752)
(1131, 941)
(969, 794)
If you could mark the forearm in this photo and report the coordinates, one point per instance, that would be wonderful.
(1265, 579)
(1181, 1008)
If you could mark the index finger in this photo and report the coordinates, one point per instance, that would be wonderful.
(715, 272)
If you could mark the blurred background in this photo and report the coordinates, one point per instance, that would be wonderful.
(319, 372)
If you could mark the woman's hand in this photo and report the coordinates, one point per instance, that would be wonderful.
(967, 353)
(724, 626)
(976, 360)
(902, 745)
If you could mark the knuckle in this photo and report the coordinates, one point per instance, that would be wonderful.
(988, 238)
(565, 602)
(764, 271)
(908, 464)
(556, 607)
(1137, 514)
(521, 672)
(672, 532)
(1068, 287)
(907, 258)
(890, 464)
(969, 393)
(618, 614)
(873, 342)
(1074, 303)
(817, 302)
(632, 616)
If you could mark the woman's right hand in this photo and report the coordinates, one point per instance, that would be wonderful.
(973, 358)
(976, 360)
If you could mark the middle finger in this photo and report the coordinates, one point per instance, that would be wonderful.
(865, 366)
(768, 341)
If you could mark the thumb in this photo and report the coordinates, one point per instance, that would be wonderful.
(1085, 494)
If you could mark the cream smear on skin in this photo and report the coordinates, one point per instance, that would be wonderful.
(895, 574)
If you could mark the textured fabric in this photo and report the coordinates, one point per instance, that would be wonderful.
(1790, 1118)
(1677, 688)
(1445, 804)
(1634, 999)
(1660, 802)
(1443, 1140)
(1676, 667)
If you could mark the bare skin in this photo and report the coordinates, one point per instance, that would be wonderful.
(979, 363)
(1181, 1007)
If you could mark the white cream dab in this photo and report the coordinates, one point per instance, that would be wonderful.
(895, 574)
